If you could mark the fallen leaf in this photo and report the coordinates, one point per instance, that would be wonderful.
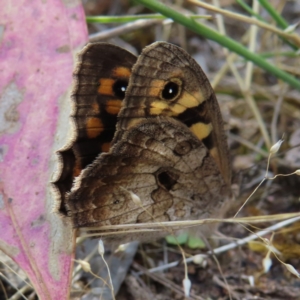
(38, 43)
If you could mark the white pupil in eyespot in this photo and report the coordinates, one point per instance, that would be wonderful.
(170, 90)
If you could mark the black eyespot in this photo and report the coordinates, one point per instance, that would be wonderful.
(119, 88)
(167, 180)
(170, 91)
(116, 201)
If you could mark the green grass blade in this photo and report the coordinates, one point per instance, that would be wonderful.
(278, 54)
(274, 14)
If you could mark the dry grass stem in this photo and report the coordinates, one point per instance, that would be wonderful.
(292, 37)
(176, 225)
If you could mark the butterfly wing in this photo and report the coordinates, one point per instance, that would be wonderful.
(157, 171)
(100, 80)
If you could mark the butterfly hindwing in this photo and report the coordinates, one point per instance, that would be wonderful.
(161, 163)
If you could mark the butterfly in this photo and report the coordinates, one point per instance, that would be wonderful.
(149, 142)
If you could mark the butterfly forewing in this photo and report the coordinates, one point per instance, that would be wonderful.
(100, 80)
(168, 81)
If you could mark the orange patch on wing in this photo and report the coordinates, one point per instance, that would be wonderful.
(113, 106)
(106, 85)
(94, 127)
(190, 100)
(105, 147)
(157, 107)
(177, 109)
(186, 100)
(121, 72)
(201, 130)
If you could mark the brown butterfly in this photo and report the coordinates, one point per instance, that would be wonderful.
(169, 150)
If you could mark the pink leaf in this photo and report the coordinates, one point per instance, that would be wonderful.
(37, 45)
